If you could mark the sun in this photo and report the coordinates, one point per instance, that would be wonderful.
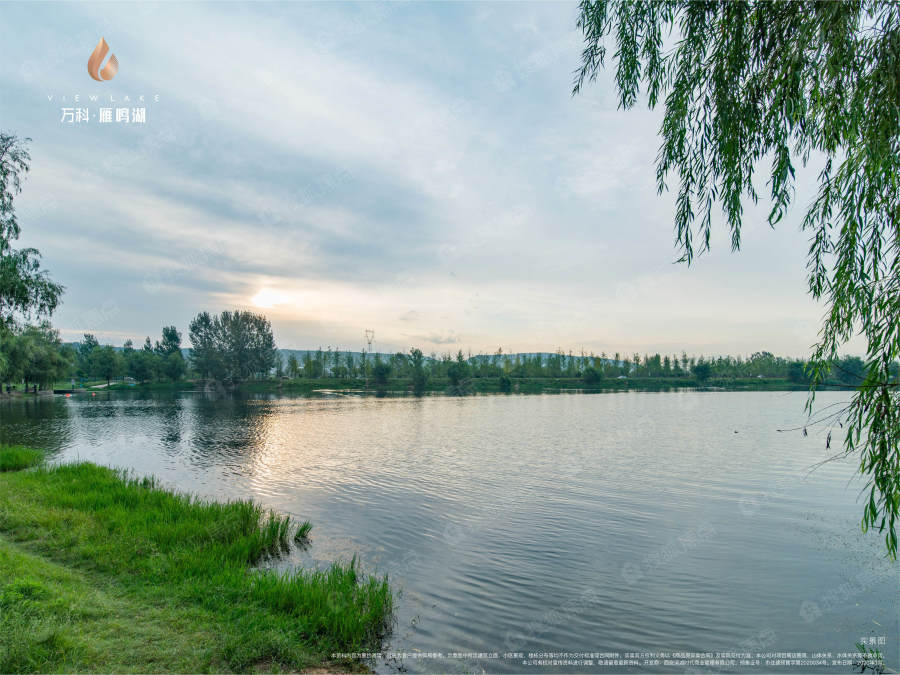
(267, 298)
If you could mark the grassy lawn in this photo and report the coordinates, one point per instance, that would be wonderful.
(18, 457)
(56, 619)
(102, 572)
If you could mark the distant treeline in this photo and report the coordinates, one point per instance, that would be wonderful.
(229, 347)
(591, 369)
(233, 347)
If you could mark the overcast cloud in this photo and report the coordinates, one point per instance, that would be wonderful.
(420, 169)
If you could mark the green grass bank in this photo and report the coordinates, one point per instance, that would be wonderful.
(103, 572)
(18, 457)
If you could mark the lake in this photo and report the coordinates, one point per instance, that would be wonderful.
(624, 523)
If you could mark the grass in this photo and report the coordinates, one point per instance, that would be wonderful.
(302, 533)
(18, 457)
(55, 619)
(100, 572)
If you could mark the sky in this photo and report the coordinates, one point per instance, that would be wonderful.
(418, 169)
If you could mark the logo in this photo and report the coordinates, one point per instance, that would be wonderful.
(99, 53)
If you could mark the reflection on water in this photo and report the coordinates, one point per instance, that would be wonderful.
(619, 522)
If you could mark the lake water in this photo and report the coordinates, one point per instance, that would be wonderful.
(566, 524)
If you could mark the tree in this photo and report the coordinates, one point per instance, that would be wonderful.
(174, 366)
(169, 361)
(26, 290)
(419, 378)
(311, 367)
(320, 362)
(84, 354)
(293, 367)
(380, 373)
(206, 357)
(106, 363)
(34, 354)
(591, 376)
(15, 355)
(46, 361)
(249, 344)
(702, 371)
(797, 373)
(171, 342)
(350, 364)
(232, 346)
(458, 371)
(748, 82)
(143, 365)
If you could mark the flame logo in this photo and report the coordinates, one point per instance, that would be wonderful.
(111, 68)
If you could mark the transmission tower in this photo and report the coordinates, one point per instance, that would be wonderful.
(370, 338)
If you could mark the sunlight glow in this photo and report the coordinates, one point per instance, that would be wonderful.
(267, 298)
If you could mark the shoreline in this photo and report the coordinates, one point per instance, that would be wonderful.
(100, 571)
(404, 387)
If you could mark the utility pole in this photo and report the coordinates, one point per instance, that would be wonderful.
(370, 338)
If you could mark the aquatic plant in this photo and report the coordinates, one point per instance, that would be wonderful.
(302, 533)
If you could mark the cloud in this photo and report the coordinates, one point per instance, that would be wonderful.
(343, 176)
(448, 337)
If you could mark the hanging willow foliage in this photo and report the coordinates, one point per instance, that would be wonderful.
(747, 83)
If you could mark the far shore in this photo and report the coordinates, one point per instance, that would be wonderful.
(404, 387)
